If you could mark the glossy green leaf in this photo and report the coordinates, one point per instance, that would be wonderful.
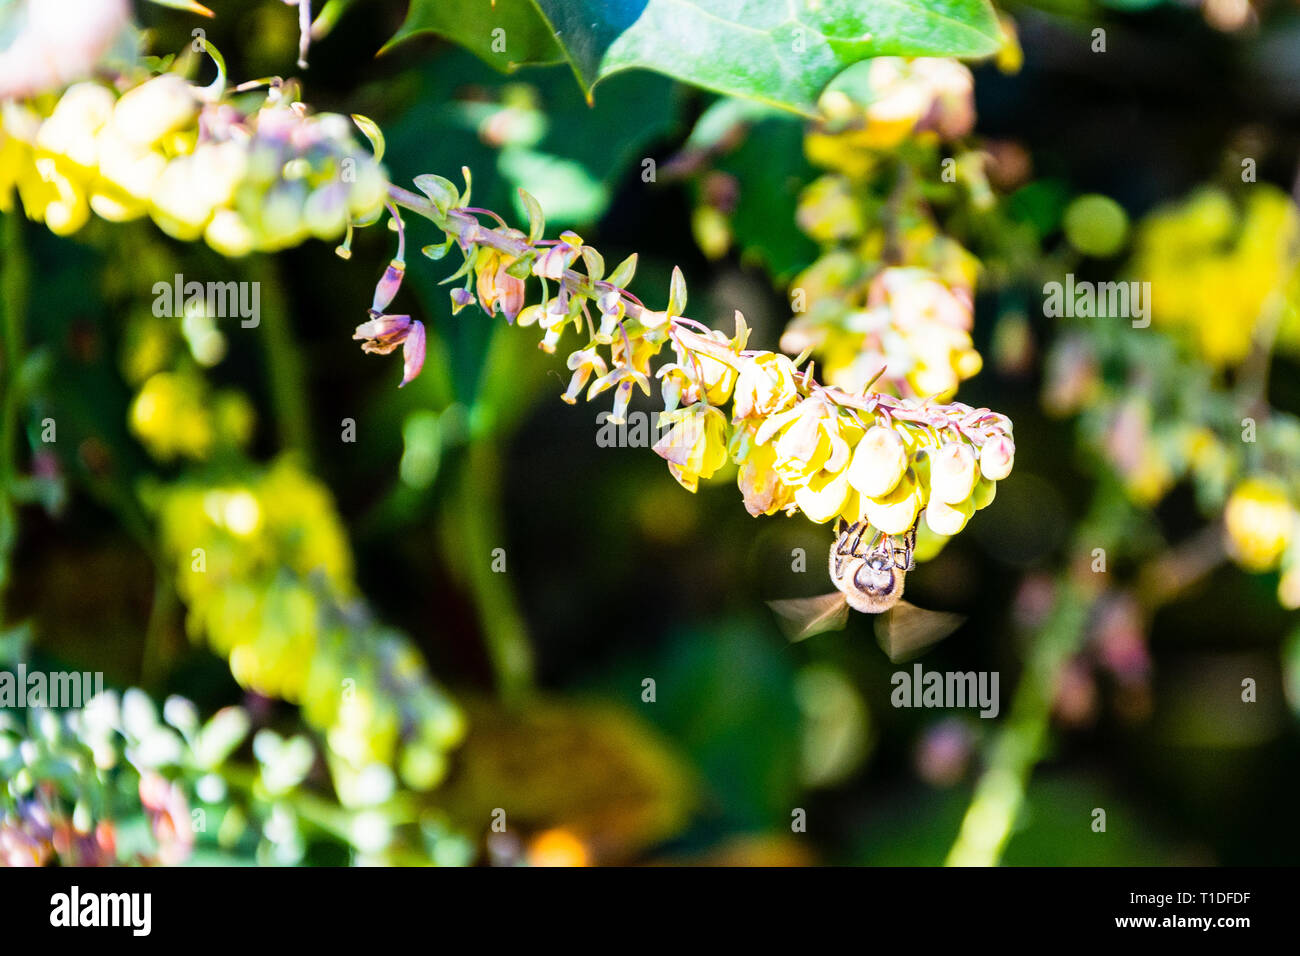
(505, 33)
(781, 52)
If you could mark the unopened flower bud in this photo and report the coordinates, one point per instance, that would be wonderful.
(895, 512)
(948, 519)
(146, 114)
(953, 473)
(460, 298)
(387, 288)
(879, 462)
(996, 457)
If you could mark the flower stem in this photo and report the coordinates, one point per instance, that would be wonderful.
(476, 511)
(286, 372)
(14, 279)
(1000, 793)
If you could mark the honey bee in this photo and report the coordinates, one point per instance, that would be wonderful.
(871, 577)
(869, 569)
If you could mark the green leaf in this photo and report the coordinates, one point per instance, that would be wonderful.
(780, 52)
(536, 218)
(441, 192)
(677, 293)
(437, 250)
(505, 34)
(623, 272)
(373, 133)
(595, 263)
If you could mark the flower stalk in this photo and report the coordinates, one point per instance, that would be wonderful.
(793, 437)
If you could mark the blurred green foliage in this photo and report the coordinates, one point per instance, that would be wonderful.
(450, 691)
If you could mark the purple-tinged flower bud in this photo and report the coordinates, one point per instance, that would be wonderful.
(461, 298)
(387, 288)
(413, 353)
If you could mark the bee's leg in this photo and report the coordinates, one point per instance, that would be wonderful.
(907, 551)
(856, 547)
(841, 527)
(839, 548)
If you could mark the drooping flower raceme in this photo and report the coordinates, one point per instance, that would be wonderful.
(800, 446)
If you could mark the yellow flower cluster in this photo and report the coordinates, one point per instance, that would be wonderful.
(882, 102)
(888, 289)
(176, 415)
(1262, 525)
(906, 320)
(196, 165)
(265, 570)
(1222, 270)
(819, 457)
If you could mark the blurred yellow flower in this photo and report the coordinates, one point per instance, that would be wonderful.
(1260, 522)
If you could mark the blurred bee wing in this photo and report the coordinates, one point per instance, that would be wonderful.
(907, 630)
(801, 618)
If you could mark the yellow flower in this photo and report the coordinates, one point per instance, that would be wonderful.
(696, 444)
(1260, 522)
(764, 386)
(763, 490)
(582, 363)
(808, 437)
(71, 130)
(953, 473)
(165, 104)
(53, 193)
(706, 364)
(825, 496)
(1217, 271)
(496, 286)
(948, 519)
(172, 417)
(828, 210)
